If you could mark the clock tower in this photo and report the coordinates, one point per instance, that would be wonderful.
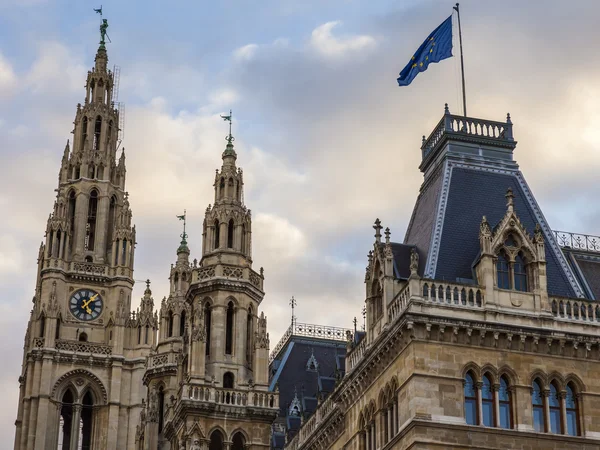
(85, 351)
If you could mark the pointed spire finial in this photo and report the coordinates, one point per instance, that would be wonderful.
(147, 291)
(293, 304)
(229, 151)
(446, 109)
(183, 235)
(509, 199)
(387, 235)
(377, 228)
(508, 118)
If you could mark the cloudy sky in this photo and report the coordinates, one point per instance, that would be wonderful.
(326, 138)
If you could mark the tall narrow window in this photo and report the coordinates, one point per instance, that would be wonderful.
(57, 330)
(123, 252)
(72, 218)
(42, 325)
(554, 403)
(504, 404)
(571, 406)
(228, 380)
(237, 191)
(84, 126)
(97, 130)
(229, 330)
(139, 335)
(207, 324)
(161, 408)
(170, 324)
(243, 243)
(503, 271)
(87, 412)
(537, 402)
(182, 324)
(112, 210)
(249, 334)
(109, 135)
(230, 229)
(91, 220)
(217, 235)
(470, 400)
(146, 333)
(66, 421)
(58, 244)
(50, 244)
(487, 402)
(520, 273)
(222, 188)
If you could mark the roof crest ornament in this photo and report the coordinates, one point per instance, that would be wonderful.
(229, 138)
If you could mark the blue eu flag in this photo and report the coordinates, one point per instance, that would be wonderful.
(436, 47)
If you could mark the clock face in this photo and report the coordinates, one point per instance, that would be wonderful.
(86, 304)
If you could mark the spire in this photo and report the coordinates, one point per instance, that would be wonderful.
(67, 151)
(183, 247)
(229, 154)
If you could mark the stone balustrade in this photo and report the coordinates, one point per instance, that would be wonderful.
(160, 360)
(228, 271)
(310, 330)
(231, 397)
(354, 355)
(576, 309)
(83, 347)
(451, 293)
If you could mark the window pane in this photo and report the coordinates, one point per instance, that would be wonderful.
(503, 272)
(572, 423)
(504, 415)
(471, 411)
(486, 390)
(469, 386)
(570, 400)
(553, 397)
(536, 395)
(538, 419)
(555, 420)
(503, 392)
(488, 413)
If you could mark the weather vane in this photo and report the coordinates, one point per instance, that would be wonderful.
(184, 234)
(103, 27)
(229, 138)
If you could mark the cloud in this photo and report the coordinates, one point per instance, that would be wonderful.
(246, 52)
(326, 44)
(8, 79)
(55, 70)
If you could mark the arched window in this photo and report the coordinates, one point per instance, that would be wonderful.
(222, 187)
(238, 442)
(216, 441)
(91, 220)
(505, 420)
(97, 130)
(124, 252)
(83, 337)
(470, 400)
(182, 324)
(58, 243)
(207, 324)
(487, 402)
(66, 420)
(537, 402)
(571, 406)
(112, 211)
(84, 126)
(217, 234)
(554, 403)
(249, 334)
(42, 325)
(50, 243)
(161, 408)
(229, 329)
(170, 324)
(85, 429)
(228, 380)
(520, 273)
(230, 229)
(503, 271)
(243, 243)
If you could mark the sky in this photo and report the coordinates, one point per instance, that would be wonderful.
(327, 140)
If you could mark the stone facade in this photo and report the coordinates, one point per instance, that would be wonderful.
(99, 375)
(498, 361)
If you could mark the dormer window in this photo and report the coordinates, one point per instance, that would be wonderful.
(511, 266)
(312, 365)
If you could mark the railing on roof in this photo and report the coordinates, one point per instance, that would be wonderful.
(309, 330)
(577, 241)
(579, 310)
(308, 428)
(500, 132)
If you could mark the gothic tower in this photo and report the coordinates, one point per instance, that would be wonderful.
(84, 351)
(208, 380)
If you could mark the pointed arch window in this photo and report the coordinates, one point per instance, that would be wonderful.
(57, 253)
(217, 235)
(503, 271)
(182, 324)
(571, 409)
(97, 131)
(470, 399)
(85, 429)
(487, 401)
(216, 441)
(229, 329)
(71, 216)
(84, 126)
(537, 401)
(161, 408)
(228, 380)
(505, 419)
(207, 324)
(66, 421)
(554, 407)
(42, 325)
(91, 220)
(222, 187)
(520, 273)
(170, 324)
(112, 211)
(249, 334)
(230, 228)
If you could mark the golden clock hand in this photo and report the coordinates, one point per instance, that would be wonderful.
(89, 311)
(91, 299)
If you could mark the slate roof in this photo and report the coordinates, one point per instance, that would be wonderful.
(290, 373)
(586, 266)
(401, 254)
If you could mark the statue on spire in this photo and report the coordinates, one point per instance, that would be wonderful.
(103, 35)
(184, 234)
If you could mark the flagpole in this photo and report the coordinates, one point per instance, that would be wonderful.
(462, 63)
